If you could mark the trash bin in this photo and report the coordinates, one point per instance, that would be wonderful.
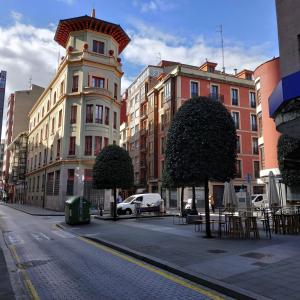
(77, 211)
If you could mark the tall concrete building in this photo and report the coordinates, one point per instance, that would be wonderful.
(2, 97)
(77, 114)
(150, 114)
(17, 120)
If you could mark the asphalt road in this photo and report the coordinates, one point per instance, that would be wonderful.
(55, 264)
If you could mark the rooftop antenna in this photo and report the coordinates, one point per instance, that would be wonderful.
(222, 47)
(93, 14)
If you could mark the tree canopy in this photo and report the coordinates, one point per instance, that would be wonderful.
(201, 143)
(288, 147)
(113, 169)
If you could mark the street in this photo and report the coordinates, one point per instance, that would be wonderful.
(56, 264)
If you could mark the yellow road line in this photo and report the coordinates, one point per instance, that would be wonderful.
(32, 291)
(210, 294)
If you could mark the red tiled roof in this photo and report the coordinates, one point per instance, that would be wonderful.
(85, 22)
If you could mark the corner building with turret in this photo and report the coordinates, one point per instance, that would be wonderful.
(77, 114)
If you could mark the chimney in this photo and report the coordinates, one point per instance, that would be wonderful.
(93, 15)
(235, 71)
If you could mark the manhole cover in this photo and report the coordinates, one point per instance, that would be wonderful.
(255, 255)
(216, 251)
(260, 264)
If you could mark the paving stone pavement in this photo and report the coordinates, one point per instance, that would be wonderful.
(270, 268)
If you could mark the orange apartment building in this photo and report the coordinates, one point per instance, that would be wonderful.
(175, 84)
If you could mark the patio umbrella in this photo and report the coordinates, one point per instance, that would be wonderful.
(272, 191)
(229, 198)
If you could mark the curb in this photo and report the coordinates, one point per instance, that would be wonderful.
(33, 214)
(131, 217)
(214, 284)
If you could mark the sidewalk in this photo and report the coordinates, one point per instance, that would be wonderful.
(33, 210)
(6, 291)
(261, 268)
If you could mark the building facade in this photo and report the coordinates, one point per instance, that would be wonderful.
(174, 86)
(77, 114)
(285, 98)
(2, 97)
(17, 120)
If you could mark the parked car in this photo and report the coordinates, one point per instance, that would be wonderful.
(259, 201)
(148, 202)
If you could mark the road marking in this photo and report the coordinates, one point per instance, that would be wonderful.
(63, 234)
(40, 236)
(210, 294)
(28, 284)
(14, 239)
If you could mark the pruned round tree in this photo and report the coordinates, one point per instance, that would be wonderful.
(201, 146)
(113, 169)
(288, 152)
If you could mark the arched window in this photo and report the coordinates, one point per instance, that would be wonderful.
(54, 98)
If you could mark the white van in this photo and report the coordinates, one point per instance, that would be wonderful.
(260, 201)
(148, 202)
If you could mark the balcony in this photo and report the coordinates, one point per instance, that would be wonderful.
(143, 115)
(216, 97)
(100, 91)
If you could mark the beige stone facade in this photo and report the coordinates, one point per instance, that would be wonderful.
(77, 115)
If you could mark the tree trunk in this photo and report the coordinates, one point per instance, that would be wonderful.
(207, 215)
(193, 206)
(115, 204)
(181, 201)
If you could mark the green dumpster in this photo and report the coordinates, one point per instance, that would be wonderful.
(77, 210)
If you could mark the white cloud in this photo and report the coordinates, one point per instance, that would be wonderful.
(27, 51)
(153, 5)
(147, 42)
(69, 2)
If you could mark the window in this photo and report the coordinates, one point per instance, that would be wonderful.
(54, 98)
(236, 119)
(238, 169)
(252, 99)
(38, 184)
(62, 87)
(99, 114)
(106, 117)
(40, 158)
(234, 97)
(43, 182)
(255, 145)
(256, 169)
(58, 149)
(72, 145)
(51, 152)
(253, 122)
(56, 183)
(43, 111)
(48, 105)
(238, 144)
(59, 118)
(98, 145)
(258, 96)
(115, 120)
(35, 161)
(88, 145)
(89, 113)
(167, 90)
(98, 47)
(75, 83)
(214, 90)
(33, 184)
(262, 157)
(194, 89)
(106, 141)
(114, 142)
(70, 182)
(38, 117)
(46, 131)
(41, 135)
(52, 128)
(162, 122)
(50, 183)
(98, 82)
(73, 114)
(45, 156)
(115, 91)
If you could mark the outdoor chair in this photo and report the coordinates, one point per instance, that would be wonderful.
(235, 227)
(251, 227)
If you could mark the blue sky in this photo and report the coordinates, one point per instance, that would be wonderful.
(180, 30)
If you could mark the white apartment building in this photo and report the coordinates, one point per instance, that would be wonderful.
(77, 115)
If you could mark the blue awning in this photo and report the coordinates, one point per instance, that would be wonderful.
(287, 89)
